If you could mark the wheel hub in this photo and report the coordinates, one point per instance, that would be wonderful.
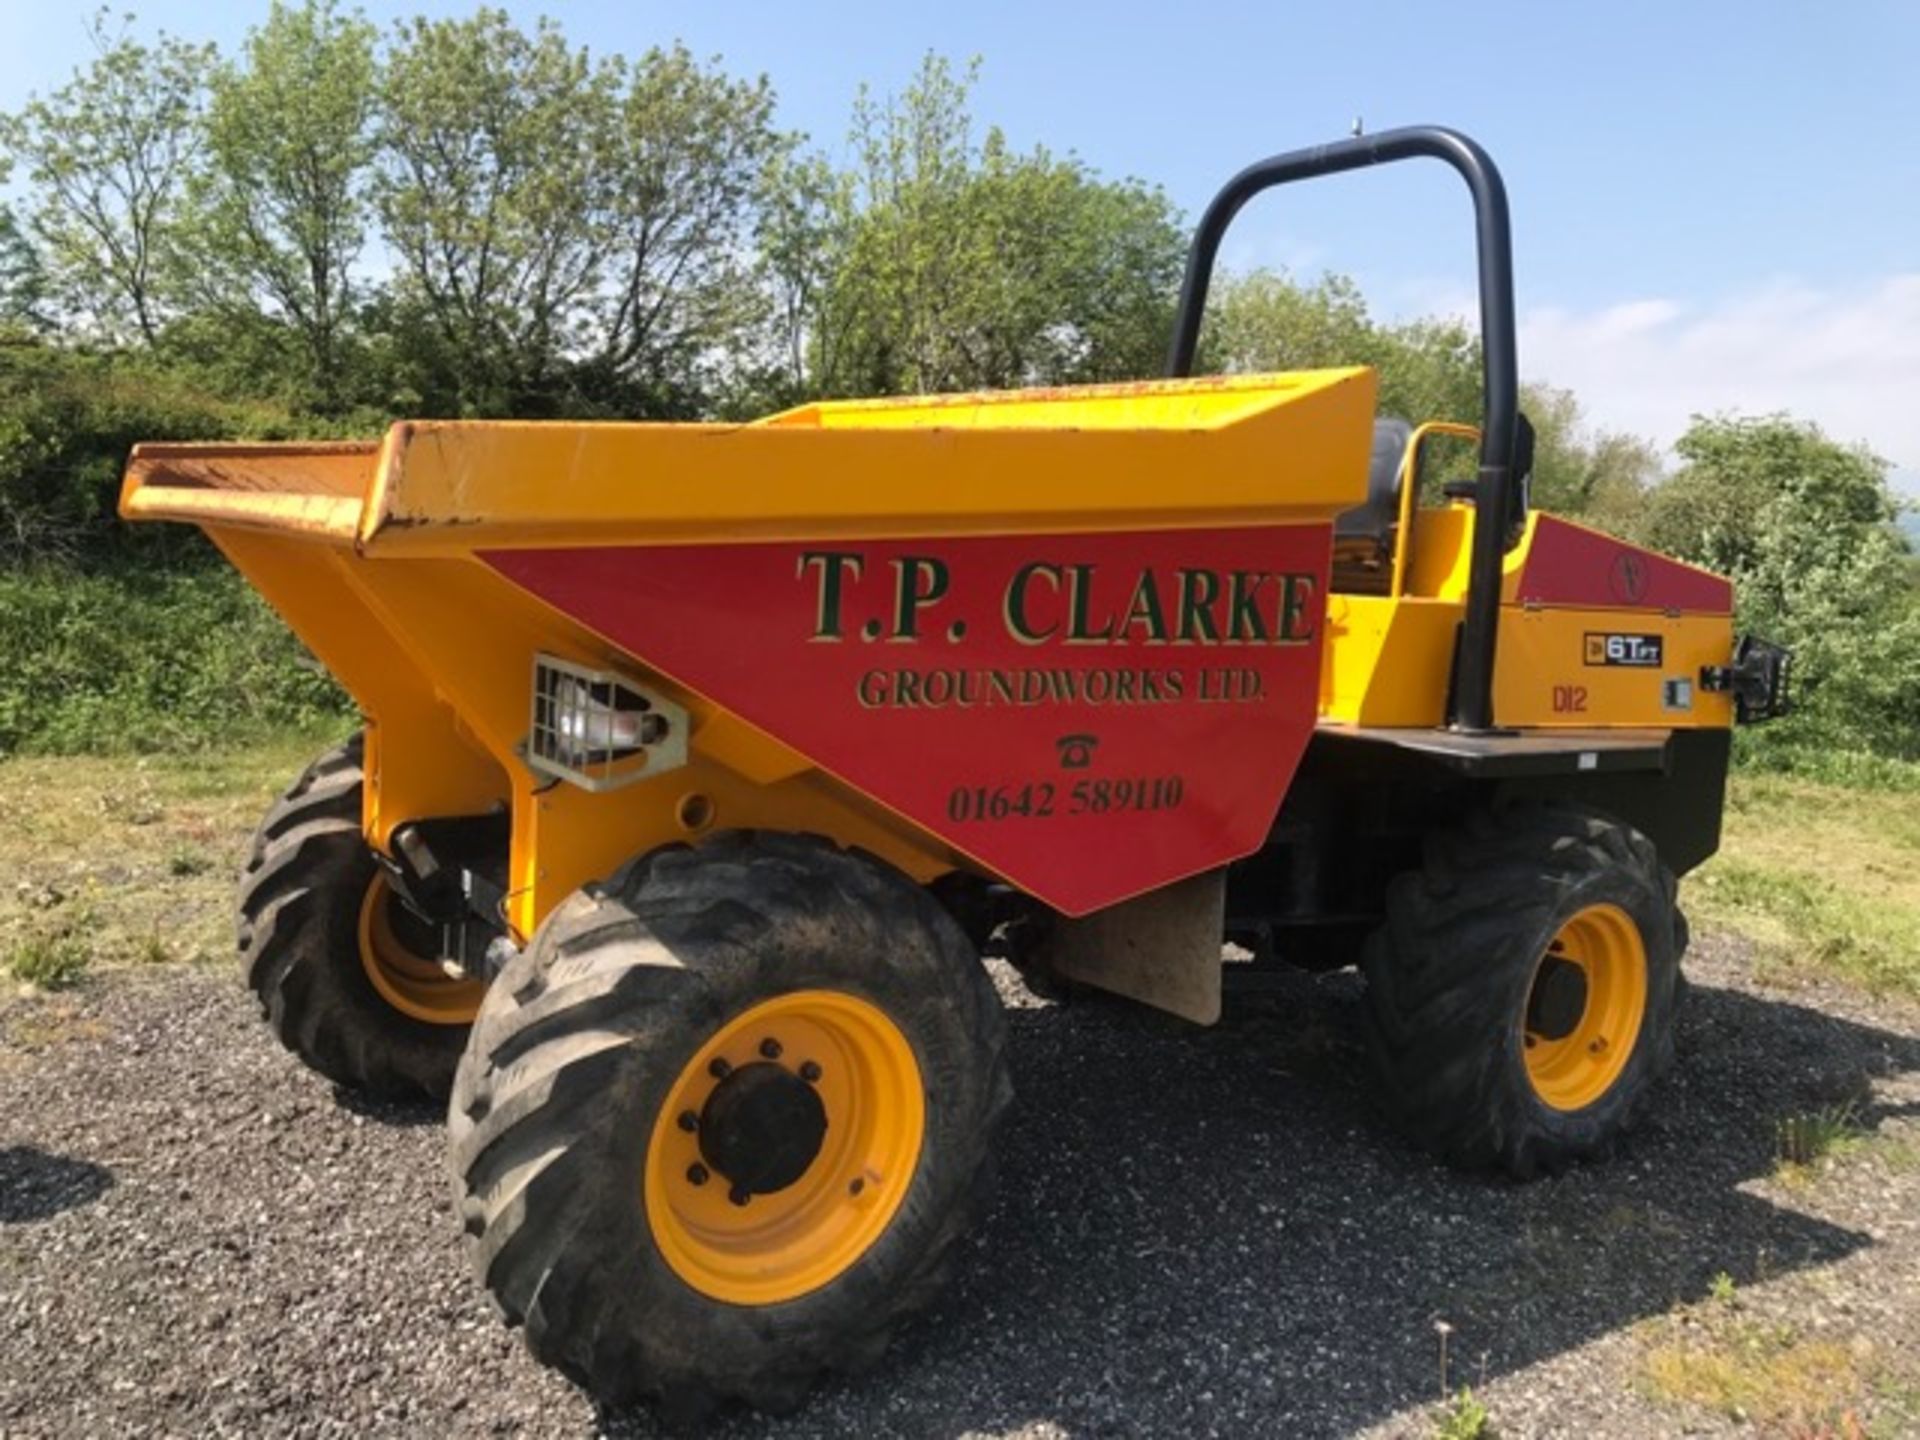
(784, 1147)
(1559, 999)
(399, 952)
(762, 1128)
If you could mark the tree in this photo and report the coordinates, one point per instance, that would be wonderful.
(804, 230)
(1429, 370)
(22, 283)
(690, 156)
(1806, 529)
(282, 203)
(1600, 476)
(1261, 320)
(489, 190)
(577, 234)
(109, 153)
(946, 262)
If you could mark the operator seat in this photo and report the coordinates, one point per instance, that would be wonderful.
(1363, 536)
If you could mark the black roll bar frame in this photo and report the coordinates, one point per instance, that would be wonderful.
(1498, 491)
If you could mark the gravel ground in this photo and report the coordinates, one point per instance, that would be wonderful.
(1200, 1232)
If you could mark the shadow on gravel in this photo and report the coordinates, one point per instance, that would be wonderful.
(37, 1186)
(1211, 1230)
(397, 1114)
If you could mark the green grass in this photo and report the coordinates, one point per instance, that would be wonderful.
(1463, 1418)
(125, 860)
(1823, 877)
(52, 961)
(188, 860)
(1768, 1375)
(1813, 1144)
(1781, 1377)
(142, 663)
(1793, 747)
(1795, 1377)
(1808, 1142)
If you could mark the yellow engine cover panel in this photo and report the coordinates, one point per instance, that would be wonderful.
(1594, 667)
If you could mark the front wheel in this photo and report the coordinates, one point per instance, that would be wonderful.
(349, 978)
(1521, 994)
(721, 1124)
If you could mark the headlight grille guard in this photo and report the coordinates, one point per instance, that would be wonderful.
(1758, 678)
(599, 729)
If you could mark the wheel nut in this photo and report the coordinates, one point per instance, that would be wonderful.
(770, 1048)
(696, 1174)
(739, 1195)
(689, 1121)
(856, 1185)
(809, 1072)
(719, 1069)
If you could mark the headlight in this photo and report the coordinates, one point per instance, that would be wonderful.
(599, 729)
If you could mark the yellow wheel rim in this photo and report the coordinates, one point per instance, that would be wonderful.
(1584, 1007)
(856, 1156)
(416, 985)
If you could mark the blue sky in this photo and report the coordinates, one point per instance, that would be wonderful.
(1716, 206)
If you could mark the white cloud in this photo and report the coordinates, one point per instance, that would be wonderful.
(1848, 359)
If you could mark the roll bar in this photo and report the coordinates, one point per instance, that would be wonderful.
(1498, 491)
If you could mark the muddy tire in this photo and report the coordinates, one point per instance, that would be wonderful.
(695, 997)
(1521, 994)
(304, 917)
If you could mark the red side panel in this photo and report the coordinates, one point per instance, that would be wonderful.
(1090, 716)
(1569, 564)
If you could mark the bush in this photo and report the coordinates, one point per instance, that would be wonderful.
(1806, 529)
(139, 661)
(117, 637)
(67, 420)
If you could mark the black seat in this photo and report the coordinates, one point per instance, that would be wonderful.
(1363, 536)
(1378, 514)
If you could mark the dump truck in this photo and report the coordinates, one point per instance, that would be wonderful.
(701, 763)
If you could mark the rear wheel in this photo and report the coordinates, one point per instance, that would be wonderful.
(347, 975)
(720, 1126)
(1521, 995)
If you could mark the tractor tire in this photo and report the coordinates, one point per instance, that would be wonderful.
(722, 1125)
(346, 980)
(1521, 994)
